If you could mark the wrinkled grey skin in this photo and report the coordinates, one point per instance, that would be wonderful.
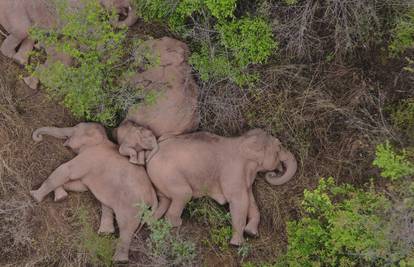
(203, 164)
(98, 167)
(18, 16)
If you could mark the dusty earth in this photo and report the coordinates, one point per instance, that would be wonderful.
(331, 116)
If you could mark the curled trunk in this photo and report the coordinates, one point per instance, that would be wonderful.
(62, 133)
(289, 161)
(154, 151)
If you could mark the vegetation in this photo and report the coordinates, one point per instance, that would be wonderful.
(99, 248)
(93, 87)
(328, 78)
(346, 226)
(164, 244)
(213, 216)
(224, 45)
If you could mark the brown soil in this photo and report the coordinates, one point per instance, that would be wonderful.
(329, 116)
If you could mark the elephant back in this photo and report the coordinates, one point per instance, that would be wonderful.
(174, 93)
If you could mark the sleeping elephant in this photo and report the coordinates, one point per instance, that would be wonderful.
(98, 167)
(203, 164)
(18, 16)
(134, 141)
(175, 108)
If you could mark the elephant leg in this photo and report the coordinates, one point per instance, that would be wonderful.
(60, 194)
(74, 186)
(253, 216)
(141, 158)
(163, 205)
(71, 170)
(32, 82)
(239, 206)
(22, 56)
(107, 221)
(127, 223)
(8, 47)
(179, 199)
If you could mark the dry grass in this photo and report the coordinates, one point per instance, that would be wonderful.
(330, 116)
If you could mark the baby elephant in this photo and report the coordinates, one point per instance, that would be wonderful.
(134, 140)
(116, 183)
(203, 164)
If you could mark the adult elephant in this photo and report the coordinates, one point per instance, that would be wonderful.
(18, 16)
(170, 83)
(203, 164)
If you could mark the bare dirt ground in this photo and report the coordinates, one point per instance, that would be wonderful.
(330, 116)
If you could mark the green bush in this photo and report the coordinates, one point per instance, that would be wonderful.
(224, 46)
(394, 166)
(403, 116)
(90, 88)
(99, 248)
(403, 34)
(164, 244)
(216, 218)
(345, 226)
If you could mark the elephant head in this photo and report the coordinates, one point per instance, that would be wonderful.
(78, 137)
(269, 155)
(171, 52)
(124, 8)
(132, 139)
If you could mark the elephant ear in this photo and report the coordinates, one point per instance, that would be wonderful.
(252, 148)
(145, 138)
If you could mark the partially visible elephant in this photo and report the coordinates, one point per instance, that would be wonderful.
(134, 140)
(175, 109)
(116, 183)
(18, 16)
(203, 164)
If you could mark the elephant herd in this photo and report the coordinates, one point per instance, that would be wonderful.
(160, 158)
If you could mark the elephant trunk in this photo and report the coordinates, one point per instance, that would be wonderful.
(154, 151)
(129, 20)
(53, 131)
(289, 161)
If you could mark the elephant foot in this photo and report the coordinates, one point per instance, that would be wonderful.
(20, 59)
(120, 257)
(236, 240)
(7, 52)
(36, 196)
(174, 220)
(32, 82)
(60, 195)
(134, 160)
(106, 229)
(251, 230)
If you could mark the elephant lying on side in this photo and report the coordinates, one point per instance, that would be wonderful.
(18, 16)
(203, 164)
(116, 183)
(175, 109)
(134, 141)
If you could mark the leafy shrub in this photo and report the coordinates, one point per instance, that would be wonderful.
(403, 34)
(394, 166)
(403, 116)
(250, 40)
(90, 88)
(224, 46)
(163, 243)
(345, 226)
(206, 211)
(99, 248)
